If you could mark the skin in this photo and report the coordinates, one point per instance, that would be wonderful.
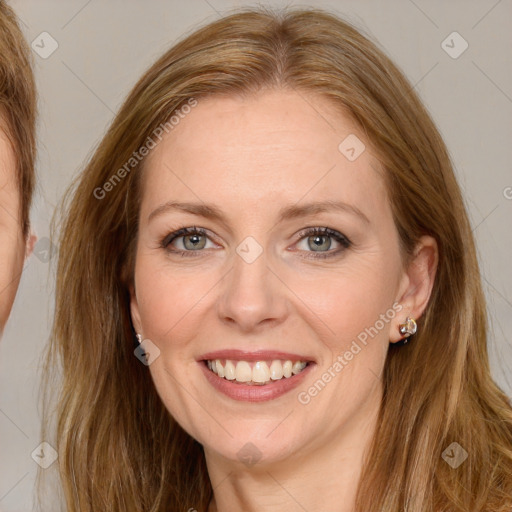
(14, 249)
(250, 157)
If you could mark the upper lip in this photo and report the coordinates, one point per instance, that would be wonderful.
(253, 355)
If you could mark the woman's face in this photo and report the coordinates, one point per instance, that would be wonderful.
(257, 287)
(12, 243)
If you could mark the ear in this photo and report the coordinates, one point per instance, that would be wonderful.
(134, 309)
(417, 283)
(30, 243)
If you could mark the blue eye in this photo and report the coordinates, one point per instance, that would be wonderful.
(194, 239)
(191, 240)
(320, 238)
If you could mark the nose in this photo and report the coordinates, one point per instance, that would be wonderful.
(252, 295)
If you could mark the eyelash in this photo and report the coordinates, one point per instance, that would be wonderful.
(324, 231)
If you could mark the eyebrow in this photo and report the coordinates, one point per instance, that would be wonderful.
(290, 212)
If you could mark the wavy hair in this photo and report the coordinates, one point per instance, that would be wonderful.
(119, 448)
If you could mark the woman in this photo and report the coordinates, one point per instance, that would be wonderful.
(17, 155)
(212, 358)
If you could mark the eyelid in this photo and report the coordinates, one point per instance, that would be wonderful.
(304, 233)
(183, 231)
(318, 230)
(339, 237)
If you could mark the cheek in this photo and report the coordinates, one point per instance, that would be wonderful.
(346, 299)
(170, 299)
(356, 305)
(351, 299)
(12, 258)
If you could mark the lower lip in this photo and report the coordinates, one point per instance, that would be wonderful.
(254, 393)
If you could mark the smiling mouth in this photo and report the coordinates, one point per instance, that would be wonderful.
(258, 373)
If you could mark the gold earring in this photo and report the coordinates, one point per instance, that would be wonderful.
(408, 328)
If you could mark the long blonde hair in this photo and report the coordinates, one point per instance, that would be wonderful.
(119, 448)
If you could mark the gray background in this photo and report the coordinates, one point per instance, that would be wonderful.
(104, 46)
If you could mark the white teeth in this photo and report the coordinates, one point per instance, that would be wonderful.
(243, 371)
(220, 369)
(229, 371)
(259, 373)
(276, 370)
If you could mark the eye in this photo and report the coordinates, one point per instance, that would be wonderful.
(190, 241)
(186, 241)
(317, 239)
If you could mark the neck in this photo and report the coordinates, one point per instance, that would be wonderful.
(316, 478)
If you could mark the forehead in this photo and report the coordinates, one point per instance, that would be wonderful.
(7, 160)
(9, 190)
(269, 149)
